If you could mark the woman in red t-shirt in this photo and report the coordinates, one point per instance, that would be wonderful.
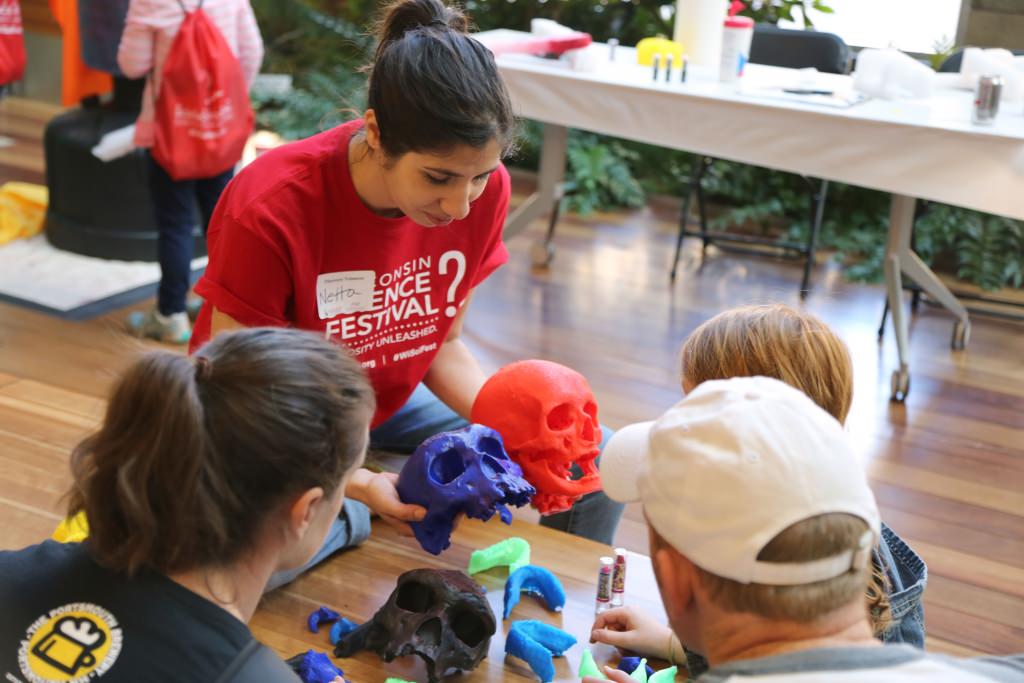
(375, 233)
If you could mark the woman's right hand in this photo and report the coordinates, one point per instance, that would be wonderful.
(629, 628)
(382, 498)
(377, 491)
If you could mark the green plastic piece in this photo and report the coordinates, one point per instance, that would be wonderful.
(640, 672)
(397, 680)
(664, 676)
(588, 667)
(513, 552)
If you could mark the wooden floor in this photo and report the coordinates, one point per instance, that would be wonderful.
(947, 467)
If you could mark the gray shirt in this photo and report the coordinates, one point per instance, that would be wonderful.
(896, 663)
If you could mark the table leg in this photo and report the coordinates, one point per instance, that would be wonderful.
(550, 183)
(901, 260)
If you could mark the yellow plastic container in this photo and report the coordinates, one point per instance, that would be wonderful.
(22, 210)
(648, 47)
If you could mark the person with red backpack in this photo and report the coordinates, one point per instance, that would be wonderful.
(200, 57)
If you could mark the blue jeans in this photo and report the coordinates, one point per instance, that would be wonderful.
(594, 516)
(174, 208)
(351, 528)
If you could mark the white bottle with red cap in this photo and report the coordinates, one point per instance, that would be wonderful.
(737, 35)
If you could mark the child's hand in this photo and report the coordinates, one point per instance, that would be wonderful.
(629, 628)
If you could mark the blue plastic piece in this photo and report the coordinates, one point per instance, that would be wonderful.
(629, 665)
(341, 628)
(535, 581)
(322, 615)
(537, 643)
(316, 667)
(464, 472)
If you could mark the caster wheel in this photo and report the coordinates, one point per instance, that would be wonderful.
(961, 335)
(900, 386)
(541, 254)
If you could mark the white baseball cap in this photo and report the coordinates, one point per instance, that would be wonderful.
(732, 465)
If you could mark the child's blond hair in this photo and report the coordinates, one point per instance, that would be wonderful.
(773, 341)
(798, 348)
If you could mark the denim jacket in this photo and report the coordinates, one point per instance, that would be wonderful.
(907, 574)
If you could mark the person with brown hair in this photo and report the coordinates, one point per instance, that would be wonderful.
(772, 340)
(761, 526)
(208, 475)
(375, 233)
(799, 349)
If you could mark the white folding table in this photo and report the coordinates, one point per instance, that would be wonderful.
(926, 149)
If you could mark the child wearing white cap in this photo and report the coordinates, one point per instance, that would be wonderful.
(762, 525)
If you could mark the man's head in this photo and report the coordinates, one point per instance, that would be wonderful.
(755, 503)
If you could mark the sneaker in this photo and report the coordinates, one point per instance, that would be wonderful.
(170, 329)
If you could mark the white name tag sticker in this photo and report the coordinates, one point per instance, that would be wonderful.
(348, 291)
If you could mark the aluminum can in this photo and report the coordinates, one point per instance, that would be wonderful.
(986, 100)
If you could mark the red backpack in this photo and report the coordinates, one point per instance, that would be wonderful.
(203, 116)
(12, 42)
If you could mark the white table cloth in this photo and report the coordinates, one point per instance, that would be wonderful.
(912, 149)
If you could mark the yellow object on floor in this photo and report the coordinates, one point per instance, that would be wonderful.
(22, 210)
(72, 529)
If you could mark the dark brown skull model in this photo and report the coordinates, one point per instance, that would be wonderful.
(440, 615)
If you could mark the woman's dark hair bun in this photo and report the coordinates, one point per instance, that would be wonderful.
(432, 85)
(403, 16)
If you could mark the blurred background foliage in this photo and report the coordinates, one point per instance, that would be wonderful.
(323, 45)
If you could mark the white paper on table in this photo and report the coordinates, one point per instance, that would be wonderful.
(774, 83)
(891, 74)
(837, 100)
(978, 62)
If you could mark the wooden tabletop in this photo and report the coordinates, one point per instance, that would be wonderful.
(357, 582)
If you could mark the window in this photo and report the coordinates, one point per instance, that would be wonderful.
(910, 25)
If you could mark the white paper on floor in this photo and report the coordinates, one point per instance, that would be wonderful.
(32, 270)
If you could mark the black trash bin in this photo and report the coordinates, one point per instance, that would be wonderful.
(98, 208)
(101, 208)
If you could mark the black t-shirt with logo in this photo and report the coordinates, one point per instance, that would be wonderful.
(65, 618)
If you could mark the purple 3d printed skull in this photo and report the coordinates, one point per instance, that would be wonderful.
(441, 615)
(462, 472)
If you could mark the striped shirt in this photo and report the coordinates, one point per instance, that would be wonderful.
(150, 29)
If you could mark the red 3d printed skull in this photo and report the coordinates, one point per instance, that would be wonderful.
(547, 417)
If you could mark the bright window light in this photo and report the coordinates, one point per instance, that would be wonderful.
(910, 25)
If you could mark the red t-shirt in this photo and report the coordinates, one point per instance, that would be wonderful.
(292, 245)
